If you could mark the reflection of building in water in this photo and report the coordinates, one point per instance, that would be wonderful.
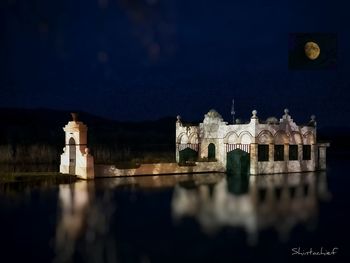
(84, 220)
(85, 215)
(164, 181)
(279, 201)
(74, 200)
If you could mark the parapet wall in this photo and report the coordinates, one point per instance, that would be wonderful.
(158, 168)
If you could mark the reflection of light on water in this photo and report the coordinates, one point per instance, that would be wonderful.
(213, 211)
(84, 219)
(73, 203)
(163, 181)
(277, 201)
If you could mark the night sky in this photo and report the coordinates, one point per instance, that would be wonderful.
(146, 59)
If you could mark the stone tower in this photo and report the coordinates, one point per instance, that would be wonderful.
(76, 158)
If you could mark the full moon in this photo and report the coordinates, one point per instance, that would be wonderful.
(312, 50)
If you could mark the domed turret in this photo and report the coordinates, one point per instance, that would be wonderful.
(212, 116)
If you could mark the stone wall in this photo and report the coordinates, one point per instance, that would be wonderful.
(285, 167)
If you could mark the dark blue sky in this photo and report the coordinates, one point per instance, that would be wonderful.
(145, 59)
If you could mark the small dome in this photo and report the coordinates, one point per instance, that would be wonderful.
(212, 117)
(214, 114)
(272, 120)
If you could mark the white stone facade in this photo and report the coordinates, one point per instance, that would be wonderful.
(273, 147)
(76, 158)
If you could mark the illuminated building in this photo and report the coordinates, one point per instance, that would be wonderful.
(255, 147)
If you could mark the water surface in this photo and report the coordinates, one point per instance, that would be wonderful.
(182, 218)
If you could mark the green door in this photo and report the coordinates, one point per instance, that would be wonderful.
(211, 152)
(188, 154)
(238, 162)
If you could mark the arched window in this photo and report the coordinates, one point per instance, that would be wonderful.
(211, 151)
(71, 141)
(72, 156)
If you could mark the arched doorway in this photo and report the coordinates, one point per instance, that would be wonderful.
(238, 162)
(72, 156)
(211, 151)
(188, 154)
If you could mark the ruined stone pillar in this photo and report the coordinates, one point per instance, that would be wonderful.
(300, 152)
(254, 158)
(316, 157)
(286, 152)
(322, 165)
(313, 156)
(177, 143)
(271, 152)
(177, 155)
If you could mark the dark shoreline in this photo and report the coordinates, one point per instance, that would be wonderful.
(35, 178)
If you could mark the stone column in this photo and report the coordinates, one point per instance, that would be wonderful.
(178, 125)
(313, 156)
(224, 156)
(286, 152)
(254, 158)
(300, 152)
(271, 152)
(316, 158)
(177, 155)
(322, 158)
(286, 158)
(199, 156)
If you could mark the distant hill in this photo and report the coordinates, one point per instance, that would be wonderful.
(41, 120)
(109, 140)
(36, 134)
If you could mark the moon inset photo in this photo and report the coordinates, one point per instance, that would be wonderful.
(312, 50)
